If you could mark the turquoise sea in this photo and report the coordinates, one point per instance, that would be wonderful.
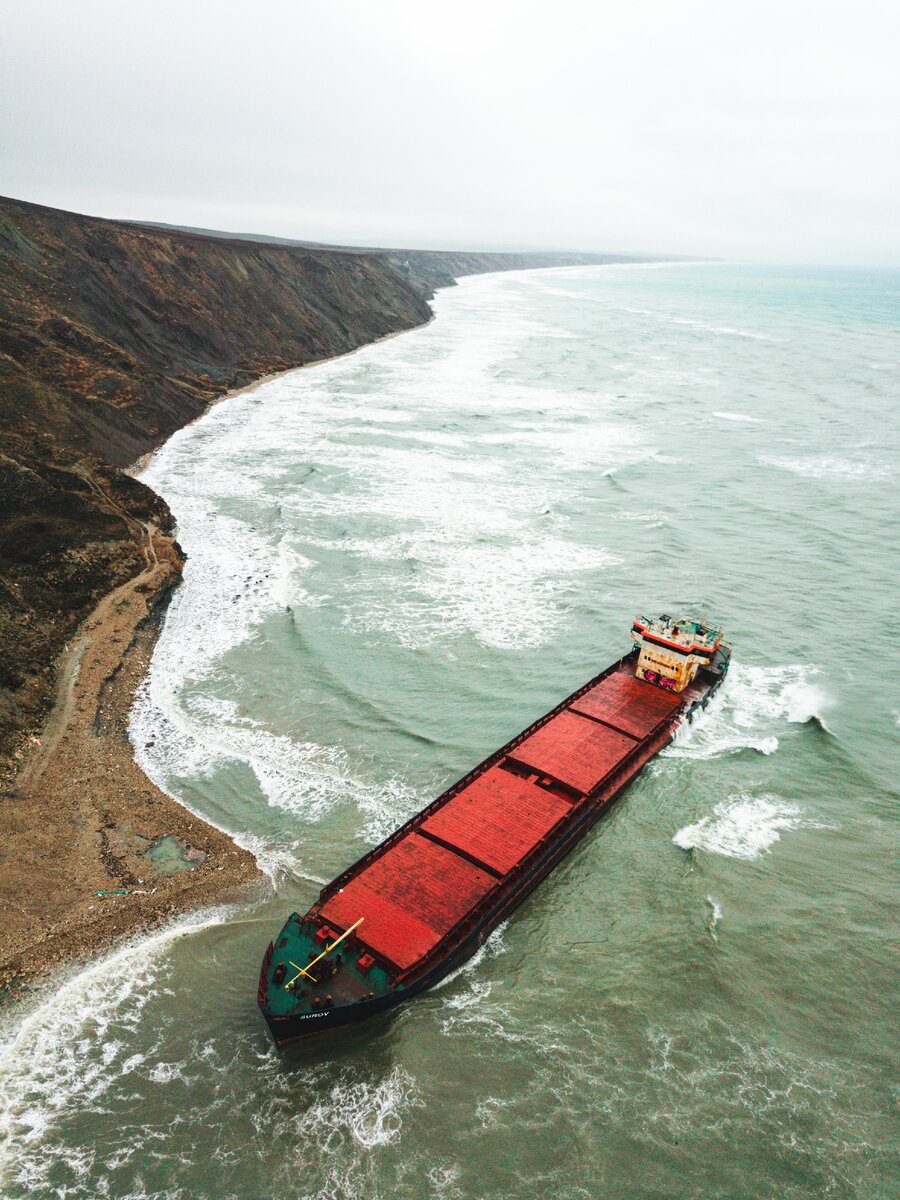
(398, 559)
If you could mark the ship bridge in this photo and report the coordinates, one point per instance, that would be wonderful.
(672, 649)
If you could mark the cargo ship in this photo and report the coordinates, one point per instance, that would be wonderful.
(413, 909)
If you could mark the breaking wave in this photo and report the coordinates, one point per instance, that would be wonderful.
(749, 710)
(745, 827)
(825, 467)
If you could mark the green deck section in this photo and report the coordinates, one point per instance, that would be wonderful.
(347, 986)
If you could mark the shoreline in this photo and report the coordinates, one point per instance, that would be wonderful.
(90, 814)
(141, 464)
(82, 817)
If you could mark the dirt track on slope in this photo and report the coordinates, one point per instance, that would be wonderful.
(82, 814)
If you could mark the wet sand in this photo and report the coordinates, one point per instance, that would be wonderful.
(82, 816)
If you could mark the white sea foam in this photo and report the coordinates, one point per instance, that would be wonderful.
(652, 518)
(302, 778)
(750, 709)
(730, 416)
(729, 330)
(824, 467)
(385, 807)
(715, 917)
(476, 1014)
(280, 857)
(705, 326)
(476, 1009)
(550, 290)
(371, 1114)
(72, 1047)
(489, 1111)
(743, 826)
(506, 594)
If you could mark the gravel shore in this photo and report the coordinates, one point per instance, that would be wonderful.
(83, 818)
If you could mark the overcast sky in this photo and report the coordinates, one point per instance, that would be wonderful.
(764, 130)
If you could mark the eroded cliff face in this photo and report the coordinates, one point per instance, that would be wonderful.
(112, 336)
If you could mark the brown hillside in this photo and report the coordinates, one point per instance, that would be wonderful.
(114, 335)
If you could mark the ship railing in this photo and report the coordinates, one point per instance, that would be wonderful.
(264, 974)
(492, 760)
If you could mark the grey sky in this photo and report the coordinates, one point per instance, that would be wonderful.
(760, 130)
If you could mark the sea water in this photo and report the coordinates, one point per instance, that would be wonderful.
(398, 559)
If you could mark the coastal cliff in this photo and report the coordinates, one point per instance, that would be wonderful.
(112, 336)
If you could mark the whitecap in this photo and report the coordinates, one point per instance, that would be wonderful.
(750, 708)
(715, 916)
(652, 518)
(743, 826)
(489, 1111)
(729, 330)
(824, 467)
(730, 416)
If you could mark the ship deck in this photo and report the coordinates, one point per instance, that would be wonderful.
(422, 885)
(335, 981)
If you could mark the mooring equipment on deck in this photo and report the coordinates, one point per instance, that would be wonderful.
(328, 949)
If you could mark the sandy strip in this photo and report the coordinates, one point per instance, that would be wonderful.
(82, 815)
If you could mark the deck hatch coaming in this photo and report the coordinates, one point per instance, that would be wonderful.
(574, 749)
(498, 818)
(628, 703)
(410, 897)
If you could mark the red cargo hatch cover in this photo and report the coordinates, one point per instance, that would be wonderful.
(573, 749)
(410, 897)
(627, 702)
(497, 819)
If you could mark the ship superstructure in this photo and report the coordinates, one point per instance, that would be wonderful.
(672, 649)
